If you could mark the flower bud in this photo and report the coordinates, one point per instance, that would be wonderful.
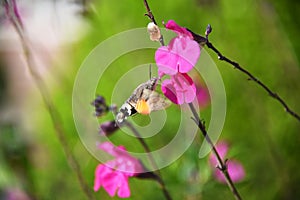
(208, 30)
(100, 100)
(154, 31)
(100, 106)
(108, 128)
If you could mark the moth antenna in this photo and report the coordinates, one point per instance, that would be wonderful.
(150, 74)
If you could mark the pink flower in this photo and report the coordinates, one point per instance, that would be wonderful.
(114, 174)
(202, 95)
(171, 25)
(179, 89)
(181, 55)
(222, 149)
(112, 181)
(235, 168)
(14, 194)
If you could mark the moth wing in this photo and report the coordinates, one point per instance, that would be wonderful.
(157, 101)
(146, 94)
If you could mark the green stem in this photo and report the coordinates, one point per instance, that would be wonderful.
(46, 97)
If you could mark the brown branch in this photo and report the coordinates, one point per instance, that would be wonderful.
(204, 40)
(149, 12)
(222, 165)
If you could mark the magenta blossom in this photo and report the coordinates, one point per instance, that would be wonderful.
(235, 168)
(112, 181)
(179, 89)
(202, 95)
(181, 31)
(222, 148)
(181, 55)
(114, 174)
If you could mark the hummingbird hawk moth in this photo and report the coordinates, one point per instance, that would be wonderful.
(143, 100)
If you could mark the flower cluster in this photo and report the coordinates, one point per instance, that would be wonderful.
(114, 174)
(175, 60)
(100, 105)
(234, 168)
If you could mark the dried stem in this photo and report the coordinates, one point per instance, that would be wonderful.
(204, 40)
(222, 165)
(46, 97)
(158, 176)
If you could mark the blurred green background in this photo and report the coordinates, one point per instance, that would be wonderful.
(261, 35)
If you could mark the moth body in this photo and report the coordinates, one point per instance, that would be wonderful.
(143, 100)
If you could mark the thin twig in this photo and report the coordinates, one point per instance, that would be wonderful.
(204, 40)
(143, 143)
(155, 174)
(158, 176)
(150, 15)
(149, 12)
(222, 165)
(46, 97)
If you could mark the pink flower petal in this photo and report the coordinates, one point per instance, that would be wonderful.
(123, 160)
(183, 83)
(169, 91)
(180, 56)
(235, 170)
(99, 172)
(180, 89)
(110, 183)
(116, 181)
(124, 191)
(171, 25)
(187, 51)
(166, 61)
(113, 150)
(108, 147)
